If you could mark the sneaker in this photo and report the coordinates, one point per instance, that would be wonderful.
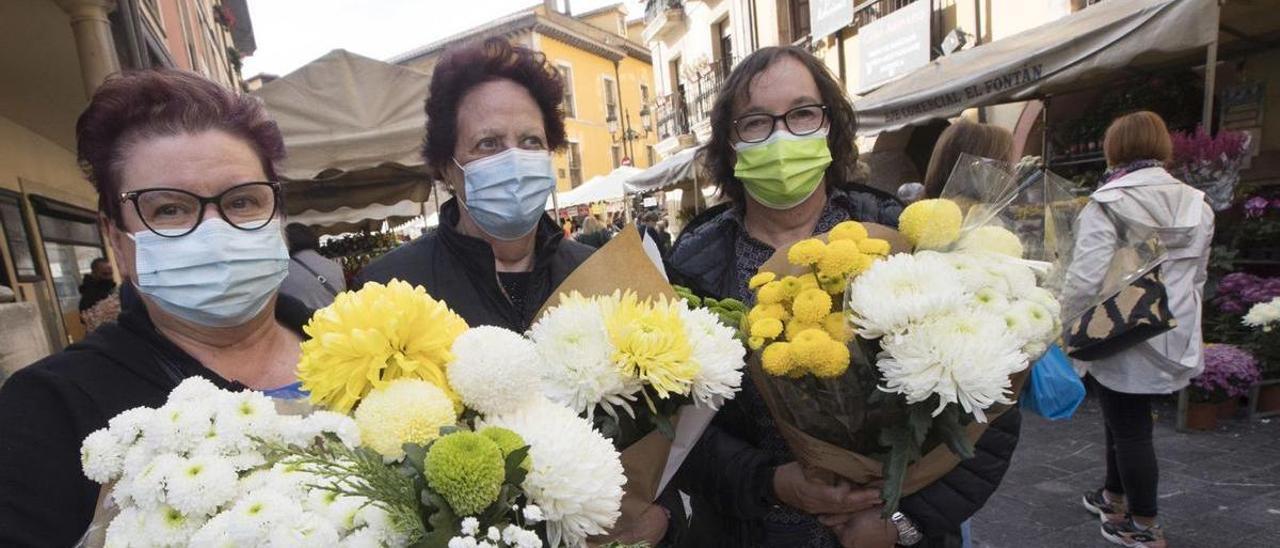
(1126, 533)
(1097, 503)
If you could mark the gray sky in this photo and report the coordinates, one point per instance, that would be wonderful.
(291, 33)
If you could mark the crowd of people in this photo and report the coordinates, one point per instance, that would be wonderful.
(216, 284)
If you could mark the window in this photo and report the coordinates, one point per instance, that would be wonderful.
(650, 155)
(566, 75)
(71, 243)
(724, 39)
(617, 156)
(15, 232)
(799, 19)
(575, 165)
(644, 94)
(610, 99)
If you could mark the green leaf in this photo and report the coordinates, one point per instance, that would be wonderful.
(416, 455)
(919, 421)
(952, 432)
(663, 424)
(515, 473)
(899, 441)
(443, 523)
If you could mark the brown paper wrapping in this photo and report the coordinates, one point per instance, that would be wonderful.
(623, 265)
(860, 469)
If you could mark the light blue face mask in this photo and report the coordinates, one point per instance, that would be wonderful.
(216, 276)
(506, 194)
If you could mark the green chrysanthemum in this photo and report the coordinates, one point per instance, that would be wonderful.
(507, 441)
(466, 469)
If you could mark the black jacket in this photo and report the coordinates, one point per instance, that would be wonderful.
(730, 479)
(47, 409)
(460, 271)
(93, 290)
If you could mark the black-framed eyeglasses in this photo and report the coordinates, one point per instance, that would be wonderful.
(802, 120)
(173, 212)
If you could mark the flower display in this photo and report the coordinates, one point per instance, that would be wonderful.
(1229, 372)
(370, 337)
(494, 369)
(1264, 316)
(466, 468)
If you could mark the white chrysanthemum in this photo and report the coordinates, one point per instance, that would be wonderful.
(243, 415)
(200, 485)
(306, 529)
(964, 358)
(990, 300)
(102, 456)
(178, 428)
(577, 358)
(376, 520)
(302, 431)
(991, 239)
(1043, 297)
(575, 475)
(900, 290)
(719, 355)
(195, 391)
(469, 526)
(1030, 321)
(494, 370)
(166, 526)
(126, 529)
(532, 514)
(339, 510)
(146, 489)
(1263, 315)
(128, 426)
(362, 538)
(463, 542)
(1019, 278)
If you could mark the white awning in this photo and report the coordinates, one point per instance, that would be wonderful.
(602, 188)
(672, 170)
(1082, 49)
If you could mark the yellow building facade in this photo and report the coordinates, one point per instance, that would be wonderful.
(608, 83)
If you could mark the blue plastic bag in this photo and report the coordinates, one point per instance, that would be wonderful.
(1054, 391)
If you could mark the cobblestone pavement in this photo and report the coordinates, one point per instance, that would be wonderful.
(1217, 489)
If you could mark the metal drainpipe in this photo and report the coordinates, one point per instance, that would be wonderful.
(977, 41)
(622, 123)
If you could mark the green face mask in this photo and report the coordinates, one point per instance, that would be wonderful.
(783, 170)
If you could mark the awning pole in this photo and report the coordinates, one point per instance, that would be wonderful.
(1210, 78)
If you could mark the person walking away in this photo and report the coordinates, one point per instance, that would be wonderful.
(313, 278)
(98, 283)
(1137, 189)
(964, 137)
(594, 233)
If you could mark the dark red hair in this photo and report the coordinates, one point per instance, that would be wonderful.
(470, 65)
(137, 105)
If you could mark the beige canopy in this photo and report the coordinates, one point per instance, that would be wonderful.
(353, 129)
(1080, 50)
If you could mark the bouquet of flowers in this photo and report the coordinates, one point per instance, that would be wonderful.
(1210, 163)
(882, 354)
(1264, 316)
(434, 434)
(1229, 372)
(635, 360)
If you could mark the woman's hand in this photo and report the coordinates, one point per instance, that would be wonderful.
(811, 496)
(649, 528)
(866, 529)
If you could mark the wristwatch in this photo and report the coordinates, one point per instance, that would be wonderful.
(908, 535)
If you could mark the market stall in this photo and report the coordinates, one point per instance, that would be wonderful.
(353, 130)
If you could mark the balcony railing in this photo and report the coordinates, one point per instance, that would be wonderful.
(870, 10)
(678, 113)
(662, 17)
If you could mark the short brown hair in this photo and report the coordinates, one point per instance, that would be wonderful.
(720, 158)
(1138, 136)
(964, 137)
(470, 65)
(163, 102)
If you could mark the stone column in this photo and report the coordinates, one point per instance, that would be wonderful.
(94, 45)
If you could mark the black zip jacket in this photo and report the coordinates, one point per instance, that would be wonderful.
(47, 409)
(730, 480)
(460, 271)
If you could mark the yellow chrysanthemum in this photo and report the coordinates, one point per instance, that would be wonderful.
(875, 246)
(765, 311)
(807, 252)
(770, 293)
(808, 281)
(931, 224)
(768, 328)
(795, 327)
(833, 285)
(791, 286)
(840, 259)
(811, 350)
(761, 279)
(862, 263)
(993, 239)
(834, 361)
(776, 359)
(849, 230)
(403, 411)
(650, 342)
(811, 305)
(836, 326)
(368, 338)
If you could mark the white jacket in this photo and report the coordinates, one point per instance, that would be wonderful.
(1184, 222)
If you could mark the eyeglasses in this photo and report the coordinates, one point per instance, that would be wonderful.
(803, 120)
(172, 212)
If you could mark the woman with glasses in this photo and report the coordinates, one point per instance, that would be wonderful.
(189, 206)
(782, 149)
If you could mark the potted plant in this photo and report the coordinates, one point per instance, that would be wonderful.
(1210, 163)
(1229, 373)
(1263, 318)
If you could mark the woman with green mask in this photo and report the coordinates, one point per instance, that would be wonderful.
(782, 150)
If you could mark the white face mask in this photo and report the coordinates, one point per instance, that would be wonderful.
(216, 276)
(506, 193)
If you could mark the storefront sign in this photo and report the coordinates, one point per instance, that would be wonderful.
(827, 17)
(893, 45)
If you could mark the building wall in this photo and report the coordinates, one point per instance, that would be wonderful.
(694, 46)
(195, 40)
(588, 127)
